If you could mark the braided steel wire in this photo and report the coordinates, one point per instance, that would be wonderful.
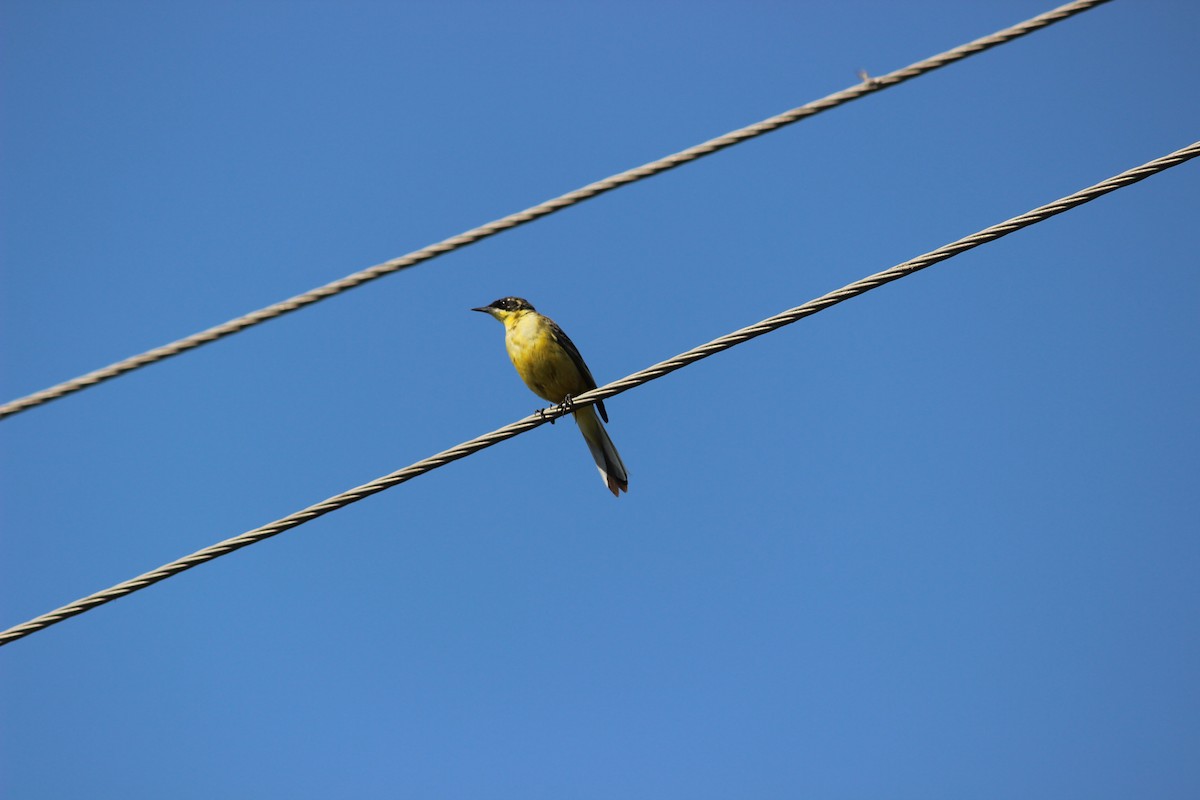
(616, 387)
(868, 86)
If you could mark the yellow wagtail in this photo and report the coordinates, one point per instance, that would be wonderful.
(551, 366)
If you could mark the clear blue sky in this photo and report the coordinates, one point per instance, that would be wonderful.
(940, 541)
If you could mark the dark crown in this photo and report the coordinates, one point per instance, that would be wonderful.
(512, 304)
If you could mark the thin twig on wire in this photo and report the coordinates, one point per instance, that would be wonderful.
(616, 387)
(868, 86)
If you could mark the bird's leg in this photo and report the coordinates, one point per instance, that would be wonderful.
(567, 406)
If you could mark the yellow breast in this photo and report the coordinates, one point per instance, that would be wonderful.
(545, 367)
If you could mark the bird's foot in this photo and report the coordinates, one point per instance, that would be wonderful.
(567, 406)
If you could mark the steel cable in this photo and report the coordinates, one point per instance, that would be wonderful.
(868, 86)
(616, 387)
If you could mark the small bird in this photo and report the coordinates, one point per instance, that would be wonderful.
(551, 366)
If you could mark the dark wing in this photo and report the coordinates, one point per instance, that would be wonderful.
(565, 342)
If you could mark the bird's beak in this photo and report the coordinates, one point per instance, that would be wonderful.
(485, 309)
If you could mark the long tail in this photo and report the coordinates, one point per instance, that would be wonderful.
(604, 453)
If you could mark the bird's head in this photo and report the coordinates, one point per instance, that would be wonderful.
(506, 308)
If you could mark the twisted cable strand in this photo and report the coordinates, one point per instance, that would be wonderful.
(868, 86)
(616, 387)
(894, 273)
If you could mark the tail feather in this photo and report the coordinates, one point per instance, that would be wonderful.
(604, 453)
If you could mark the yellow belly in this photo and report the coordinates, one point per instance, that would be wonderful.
(544, 366)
